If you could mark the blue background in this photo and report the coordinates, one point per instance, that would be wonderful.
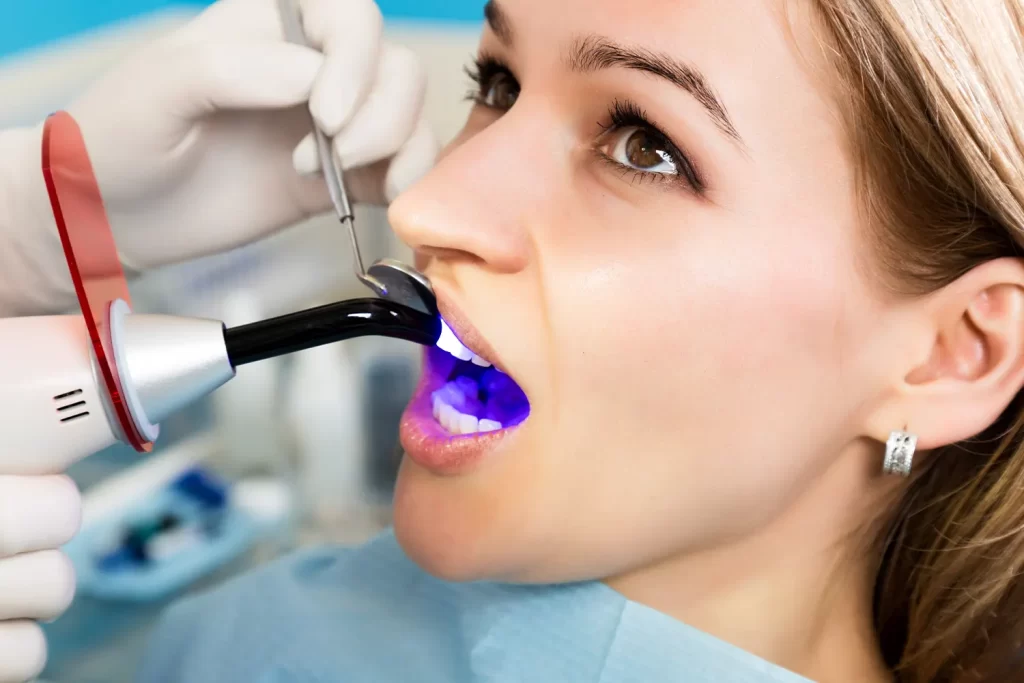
(26, 24)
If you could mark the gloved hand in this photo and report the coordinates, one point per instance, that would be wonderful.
(196, 146)
(37, 514)
(196, 140)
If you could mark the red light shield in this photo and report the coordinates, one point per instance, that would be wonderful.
(89, 249)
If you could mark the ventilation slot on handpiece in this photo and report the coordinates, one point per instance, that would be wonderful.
(71, 406)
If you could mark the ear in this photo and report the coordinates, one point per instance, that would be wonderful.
(974, 365)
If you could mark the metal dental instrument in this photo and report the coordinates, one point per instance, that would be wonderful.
(388, 278)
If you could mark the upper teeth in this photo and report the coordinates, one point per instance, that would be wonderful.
(450, 343)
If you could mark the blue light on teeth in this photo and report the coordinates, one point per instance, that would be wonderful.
(451, 344)
(448, 341)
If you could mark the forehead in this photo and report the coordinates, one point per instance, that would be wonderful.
(655, 23)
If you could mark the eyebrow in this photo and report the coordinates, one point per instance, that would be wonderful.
(593, 53)
(498, 21)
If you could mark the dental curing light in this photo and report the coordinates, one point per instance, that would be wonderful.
(71, 385)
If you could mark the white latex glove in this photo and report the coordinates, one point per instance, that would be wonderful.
(37, 514)
(196, 140)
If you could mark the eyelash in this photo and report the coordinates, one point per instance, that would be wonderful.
(621, 114)
(481, 72)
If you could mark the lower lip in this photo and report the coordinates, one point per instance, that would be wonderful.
(430, 446)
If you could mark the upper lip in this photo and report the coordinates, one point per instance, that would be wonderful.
(466, 332)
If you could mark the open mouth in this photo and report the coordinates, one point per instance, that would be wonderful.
(472, 396)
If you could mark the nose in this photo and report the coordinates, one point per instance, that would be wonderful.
(473, 205)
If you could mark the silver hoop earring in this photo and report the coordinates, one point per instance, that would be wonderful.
(899, 453)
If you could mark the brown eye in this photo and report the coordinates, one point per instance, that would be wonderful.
(643, 150)
(501, 91)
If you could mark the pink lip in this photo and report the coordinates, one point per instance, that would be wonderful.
(425, 441)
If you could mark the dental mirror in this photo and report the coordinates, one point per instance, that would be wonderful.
(404, 284)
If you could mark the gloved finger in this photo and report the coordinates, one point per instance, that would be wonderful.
(349, 35)
(306, 157)
(382, 181)
(412, 162)
(379, 183)
(348, 32)
(385, 121)
(389, 116)
(36, 585)
(222, 75)
(234, 19)
(37, 513)
(22, 651)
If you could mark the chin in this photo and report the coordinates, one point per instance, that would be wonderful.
(444, 528)
(489, 526)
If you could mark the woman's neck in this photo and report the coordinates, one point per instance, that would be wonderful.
(796, 593)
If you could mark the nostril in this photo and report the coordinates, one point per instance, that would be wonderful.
(446, 254)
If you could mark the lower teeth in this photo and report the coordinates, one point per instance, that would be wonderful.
(461, 423)
(476, 400)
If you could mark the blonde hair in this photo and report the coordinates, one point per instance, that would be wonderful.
(936, 115)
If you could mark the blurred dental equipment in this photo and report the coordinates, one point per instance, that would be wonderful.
(76, 384)
(165, 537)
(244, 409)
(388, 278)
(323, 408)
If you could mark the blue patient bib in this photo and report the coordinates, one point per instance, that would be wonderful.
(370, 615)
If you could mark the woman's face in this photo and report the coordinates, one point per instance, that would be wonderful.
(649, 224)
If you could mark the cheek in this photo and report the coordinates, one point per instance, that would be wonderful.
(698, 304)
(690, 341)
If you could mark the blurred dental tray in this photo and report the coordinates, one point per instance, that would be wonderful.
(162, 543)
